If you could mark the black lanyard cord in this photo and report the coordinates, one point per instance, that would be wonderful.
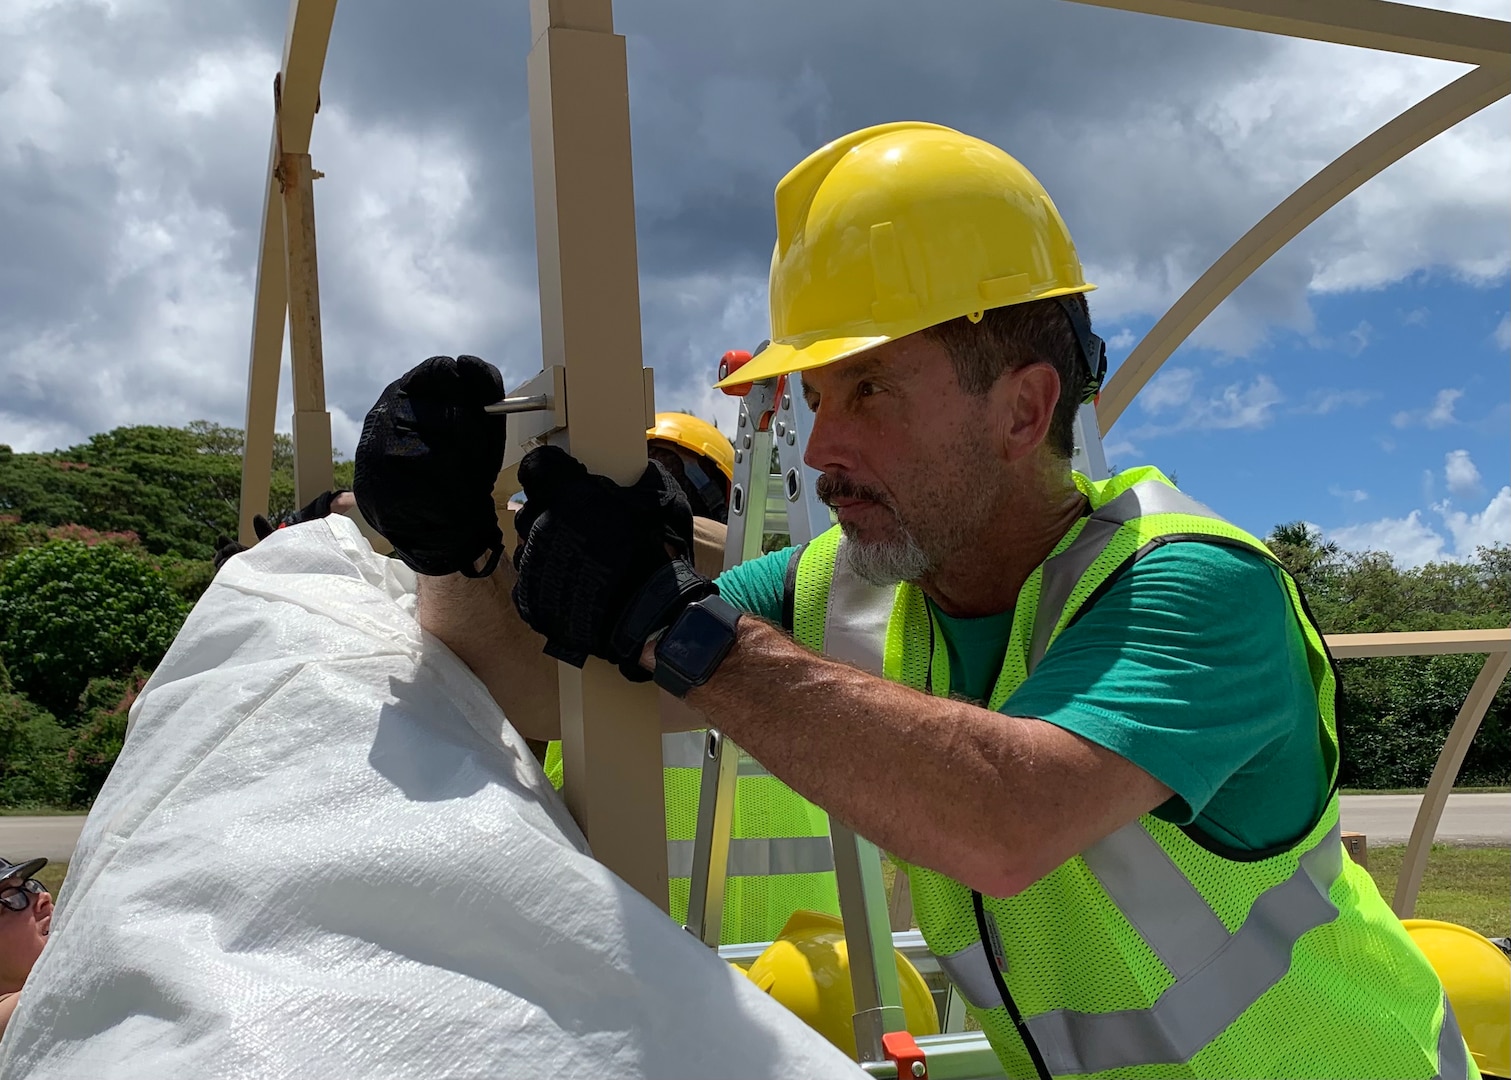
(987, 936)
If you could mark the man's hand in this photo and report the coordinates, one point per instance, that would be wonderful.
(326, 503)
(426, 464)
(602, 568)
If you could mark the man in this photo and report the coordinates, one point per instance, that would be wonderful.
(779, 861)
(1094, 717)
(25, 919)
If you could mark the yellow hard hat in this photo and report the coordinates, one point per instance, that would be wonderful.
(807, 969)
(1476, 977)
(899, 227)
(696, 435)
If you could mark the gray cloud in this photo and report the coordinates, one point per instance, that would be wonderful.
(133, 137)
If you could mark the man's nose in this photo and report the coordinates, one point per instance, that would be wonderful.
(830, 448)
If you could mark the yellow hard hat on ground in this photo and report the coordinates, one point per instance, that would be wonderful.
(807, 969)
(697, 435)
(1476, 976)
(900, 227)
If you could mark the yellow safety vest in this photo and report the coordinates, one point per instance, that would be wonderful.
(1155, 952)
(780, 859)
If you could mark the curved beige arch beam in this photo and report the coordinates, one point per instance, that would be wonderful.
(1433, 115)
(1497, 643)
(1370, 24)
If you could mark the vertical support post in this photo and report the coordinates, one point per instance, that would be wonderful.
(590, 324)
(1430, 812)
(296, 98)
(873, 970)
(313, 469)
(266, 356)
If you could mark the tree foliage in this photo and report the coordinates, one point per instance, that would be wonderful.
(70, 612)
(1397, 710)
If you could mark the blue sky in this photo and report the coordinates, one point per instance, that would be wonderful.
(1397, 402)
(1359, 381)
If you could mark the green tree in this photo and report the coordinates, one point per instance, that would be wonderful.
(34, 767)
(69, 613)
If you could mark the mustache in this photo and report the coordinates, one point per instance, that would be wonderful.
(831, 487)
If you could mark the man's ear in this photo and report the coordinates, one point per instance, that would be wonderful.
(1022, 404)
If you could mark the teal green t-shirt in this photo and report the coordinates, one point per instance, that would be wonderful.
(1190, 666)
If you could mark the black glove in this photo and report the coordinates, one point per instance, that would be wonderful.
(426, 464)
(318, 507)
(225, 547)
(602, 568)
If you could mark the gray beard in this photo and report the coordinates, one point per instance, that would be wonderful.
(886, 563)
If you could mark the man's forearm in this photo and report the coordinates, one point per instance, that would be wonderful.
(477, 620)
(995, 801)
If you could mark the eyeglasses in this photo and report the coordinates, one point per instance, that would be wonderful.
(17, 897)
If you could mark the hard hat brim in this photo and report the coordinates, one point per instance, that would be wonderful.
(784, 359)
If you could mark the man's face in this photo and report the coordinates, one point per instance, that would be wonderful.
(22, 935)
(906, 458)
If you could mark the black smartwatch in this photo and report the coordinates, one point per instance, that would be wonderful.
(695, 644)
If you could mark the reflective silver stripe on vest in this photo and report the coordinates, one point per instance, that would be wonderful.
(757, 858)
(855, 625)
(971, 972)
(685, 750)
(1063, 572)
(1207, 997)
(1453, 1055)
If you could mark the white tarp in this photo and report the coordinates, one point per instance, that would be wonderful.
(325, 854)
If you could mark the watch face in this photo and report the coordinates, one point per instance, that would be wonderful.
(700, 641)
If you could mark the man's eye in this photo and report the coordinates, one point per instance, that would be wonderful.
(866, 389)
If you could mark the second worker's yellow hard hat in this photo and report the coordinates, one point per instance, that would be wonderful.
(896, 228)
(699, 436)
(807, 969)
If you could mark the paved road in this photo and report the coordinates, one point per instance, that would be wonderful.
(1385, 819)
(49, 837)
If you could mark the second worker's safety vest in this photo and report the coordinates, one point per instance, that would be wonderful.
(1156, 952)
(780, 859)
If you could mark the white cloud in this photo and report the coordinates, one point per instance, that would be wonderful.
(1439, 414)
(1347, 494)
(1358, 339)
(1458, 469)
(1123, 339)
(1503, 332)
(1413, 541)
(1171, 389)
(1415, 317)
(1492, 525)
(1237, 406)
(1322, 402)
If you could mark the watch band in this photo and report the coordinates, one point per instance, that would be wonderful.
(669, 675)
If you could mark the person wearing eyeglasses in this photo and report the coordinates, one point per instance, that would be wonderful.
(25, 919)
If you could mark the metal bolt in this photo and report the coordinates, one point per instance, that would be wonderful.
(791, 438)
(739, 456)
(787, 401)
(920, 1069)
(746, 440)
(780, 428)
(743, 418)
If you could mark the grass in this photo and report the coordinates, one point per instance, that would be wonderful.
(1459, 789)
(1470, 886)
(39, 811)
(52, 876)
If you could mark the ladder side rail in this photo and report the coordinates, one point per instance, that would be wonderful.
(721, 758)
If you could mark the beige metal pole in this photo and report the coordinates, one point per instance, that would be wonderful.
(296, 97)
(313, 469)
(590, 324)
